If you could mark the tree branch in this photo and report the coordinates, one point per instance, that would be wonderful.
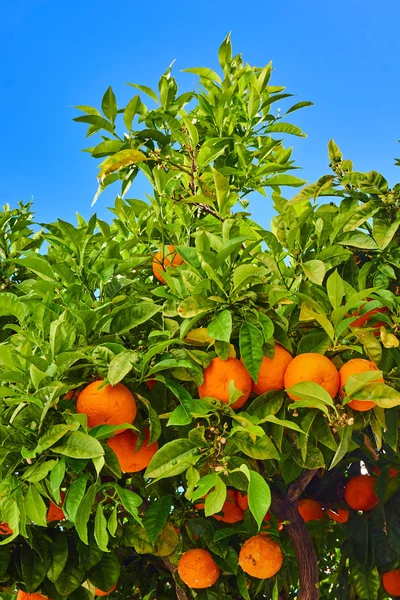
(180, 592)
(285, 508)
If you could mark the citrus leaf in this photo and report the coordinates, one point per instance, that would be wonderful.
(156, 517)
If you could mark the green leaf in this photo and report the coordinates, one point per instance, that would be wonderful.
(194, 306)
(310, 391)
(251, 343)
(56, 479)
(282, 127)
(259, 496)
(297, 106)
(100, 529)
(105, 574)
(37, 264)
(315, 271)
(35, 507)
(130, 111)
(204, 72)
(130, 501)
(215, 499)
(358, 240)
(267, 326)
(314, 342)
(109, 105)
(11, 306)
(281, 423)
(284, 179)
(366, 582)
(35, 564)
(343, 446)
(75, 493)
(380, 393)
(244, 273)
(335, 289)
(80, 445)
(120, 160)
(59, 555)
(156, 517)
(130, 317)
(261, 449)
(384, 231)
(120, 366)
(222, 187)
(96, 122)
(52, 435)
(172, 459)
(83, 513)
(146, 90)
(220, 327)
(334, 152)
(225, 52)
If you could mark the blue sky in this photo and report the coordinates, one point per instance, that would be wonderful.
(342, 55)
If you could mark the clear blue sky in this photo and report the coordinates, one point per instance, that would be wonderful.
(343, 55)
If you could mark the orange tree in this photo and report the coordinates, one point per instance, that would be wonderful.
(180, 413)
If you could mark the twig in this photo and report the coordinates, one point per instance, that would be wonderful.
(180, 592)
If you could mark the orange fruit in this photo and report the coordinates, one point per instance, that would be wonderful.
(56, 513)
(150, 382)
(219, 374)
(391, 582)
(352, 367)
(359, 492)
(110, 405)
(98, 592)
(163, 259)
(260, 556)
(5, 529)
(340, 515)
(310, 510)
(130, 459)
(272, 372)
(197, 569)
(315, 367)
(242, 500)
(231, 512)
(71, 395)
(25, 596)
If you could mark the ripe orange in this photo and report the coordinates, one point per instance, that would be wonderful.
(25, 596)
(5, 529)
(242, 500)
(260, 556)
(231, 512)
(272, 371)
(130, 459)
(359, 492)
(391, 582)
(150, 382)
(110, 405)
(217, 377)
(310, 510)
(352, 367)
(197, 569)
(340, 515)
(98, 592)
(315, 367)
(71, 395)
(56, 513)
(163, 259)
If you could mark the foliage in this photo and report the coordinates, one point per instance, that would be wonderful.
(88, 307)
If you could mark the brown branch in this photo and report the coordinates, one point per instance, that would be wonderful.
(180, 592)
(285, 508)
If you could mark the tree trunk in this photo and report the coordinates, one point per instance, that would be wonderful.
(285, 508)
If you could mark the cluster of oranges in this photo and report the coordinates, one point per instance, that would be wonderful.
(260, 556)
(283, 372)
(359, 494)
